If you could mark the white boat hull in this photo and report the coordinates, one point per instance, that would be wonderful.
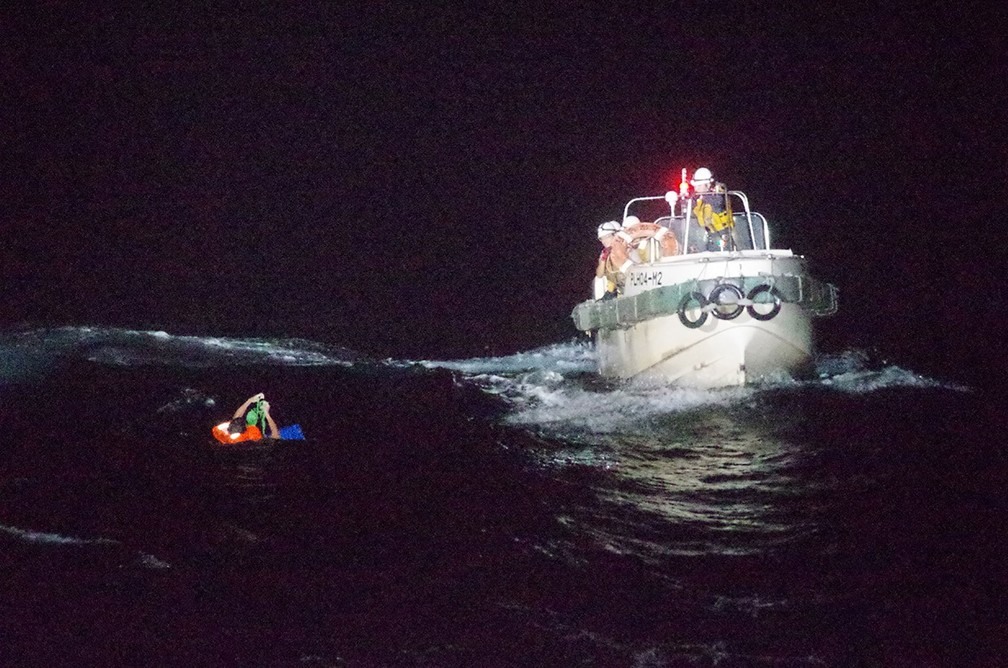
(717, 354)
(720, 352)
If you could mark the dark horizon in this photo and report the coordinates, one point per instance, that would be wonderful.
(427, 182)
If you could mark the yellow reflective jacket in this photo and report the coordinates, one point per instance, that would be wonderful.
(712, 212)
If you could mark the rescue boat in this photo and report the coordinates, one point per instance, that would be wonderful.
(711, 310)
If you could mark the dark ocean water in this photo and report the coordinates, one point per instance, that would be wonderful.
(500, 511)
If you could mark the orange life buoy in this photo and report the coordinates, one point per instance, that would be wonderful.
(637, 234)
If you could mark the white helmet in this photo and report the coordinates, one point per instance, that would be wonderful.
(630, 221)
(605, 229)
(702, 175)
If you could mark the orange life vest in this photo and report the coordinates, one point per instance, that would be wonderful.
(251, 433)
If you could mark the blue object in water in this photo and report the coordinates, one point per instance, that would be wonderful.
(292, 432)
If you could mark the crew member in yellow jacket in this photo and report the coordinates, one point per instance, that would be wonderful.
(713, 210)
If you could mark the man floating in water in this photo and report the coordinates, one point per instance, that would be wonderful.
(250, 425)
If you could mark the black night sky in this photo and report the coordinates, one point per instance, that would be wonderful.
(427, 182)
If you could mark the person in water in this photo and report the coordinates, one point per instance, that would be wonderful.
(247, 425)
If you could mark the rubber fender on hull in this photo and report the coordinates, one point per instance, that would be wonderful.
(775, 304)
(685, 304)
(730, 308)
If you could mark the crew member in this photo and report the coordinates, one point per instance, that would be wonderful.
(605, 273)
(712, 210)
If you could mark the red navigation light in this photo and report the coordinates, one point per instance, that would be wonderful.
(683, 185)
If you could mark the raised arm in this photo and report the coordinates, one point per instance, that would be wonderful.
(248, 402)
(274, 432)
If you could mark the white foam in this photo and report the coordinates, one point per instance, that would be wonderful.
(556, 390)
(571, 357)
(615, 410)
(153, 563)
(127, 347)
(44, 537)
(546, 388)
(852, 371)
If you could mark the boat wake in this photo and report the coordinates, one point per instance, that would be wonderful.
(556, 389)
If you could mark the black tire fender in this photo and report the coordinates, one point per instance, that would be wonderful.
(756, 292)
(715, 297)
(685, 302)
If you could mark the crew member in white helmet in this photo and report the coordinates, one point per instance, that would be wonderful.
(712, 210)
(605, 272)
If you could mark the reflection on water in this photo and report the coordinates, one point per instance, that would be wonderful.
(726, 471)
(707, 481)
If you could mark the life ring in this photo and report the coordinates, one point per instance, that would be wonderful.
(636, 234)
(684, 304)
(757, 291)
(734, 307)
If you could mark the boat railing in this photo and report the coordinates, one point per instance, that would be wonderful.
(752, 222)
(653, 198)
(750, 230)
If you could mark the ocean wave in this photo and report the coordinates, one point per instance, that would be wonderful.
(866, 370)
(560, 358)
(56, 540)
(127, 347)
(556, 388)
(48, 538)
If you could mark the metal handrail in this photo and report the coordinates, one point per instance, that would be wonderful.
(626, 209)
(687, 217)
